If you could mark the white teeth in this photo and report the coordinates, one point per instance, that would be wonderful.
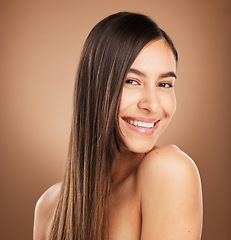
(141, 124)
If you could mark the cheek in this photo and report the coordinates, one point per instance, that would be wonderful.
(123, 102)
(128, 99)
(172, 106)
(169, 104)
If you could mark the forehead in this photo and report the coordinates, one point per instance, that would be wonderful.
(156, 56)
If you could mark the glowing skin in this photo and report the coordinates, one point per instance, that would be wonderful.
(148, 99)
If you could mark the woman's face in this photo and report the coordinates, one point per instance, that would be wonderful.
(148, 98)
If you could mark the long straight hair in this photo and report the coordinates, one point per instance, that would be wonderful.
(109, 51)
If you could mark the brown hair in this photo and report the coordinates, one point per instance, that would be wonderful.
(110, 49)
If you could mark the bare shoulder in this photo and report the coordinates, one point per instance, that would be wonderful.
(169, 161)
(44, 211)
(171, 166)
(171, 196)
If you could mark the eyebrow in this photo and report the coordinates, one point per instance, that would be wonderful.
(168, 74)
(163, 75)
(137, 72)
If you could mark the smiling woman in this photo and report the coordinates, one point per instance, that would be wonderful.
(148, 100)
(118, 184)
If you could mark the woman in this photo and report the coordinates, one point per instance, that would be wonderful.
(118, 184)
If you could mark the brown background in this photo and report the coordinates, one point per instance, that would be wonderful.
(39, 49)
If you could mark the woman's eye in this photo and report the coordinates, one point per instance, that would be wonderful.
(165, 85)
(130, 81)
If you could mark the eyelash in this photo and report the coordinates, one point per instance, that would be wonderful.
(129, 81)
(164, 84)
(169, 85)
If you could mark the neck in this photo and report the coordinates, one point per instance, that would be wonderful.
(126, 163)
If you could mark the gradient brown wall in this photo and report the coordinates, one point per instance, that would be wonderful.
(39, 49)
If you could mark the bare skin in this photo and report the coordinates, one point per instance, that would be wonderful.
(156, 192)
(44, 212)
(160, 199)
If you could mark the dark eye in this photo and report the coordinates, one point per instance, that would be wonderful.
(165, 85)
(131, 81)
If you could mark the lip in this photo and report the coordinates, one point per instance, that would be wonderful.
(142, 119)
(142, 130)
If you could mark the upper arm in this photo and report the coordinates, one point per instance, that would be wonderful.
(171, 198)
(44, 211)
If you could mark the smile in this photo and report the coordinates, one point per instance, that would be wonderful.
(141, 126)
(140, 123)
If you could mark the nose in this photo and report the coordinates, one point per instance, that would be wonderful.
(149, 101)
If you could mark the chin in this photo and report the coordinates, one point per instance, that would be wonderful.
(140, 146)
